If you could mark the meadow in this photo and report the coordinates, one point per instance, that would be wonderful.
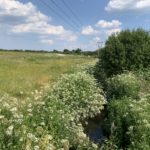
(23, 72)
(47, 118)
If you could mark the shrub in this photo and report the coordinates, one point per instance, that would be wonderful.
(80, 92)
(131, 123)
(124, 85)
(100, 75)
(128, 50)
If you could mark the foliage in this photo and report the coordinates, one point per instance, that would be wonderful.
(124, 85)
(100, 75)
(80, 92)
(131, 121)
(128, 50)
(52, 122)
(128, 121)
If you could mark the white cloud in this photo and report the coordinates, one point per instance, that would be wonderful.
(88, 30)
(72, 38)
(21, 18)
(68, 36)
(109, 27)
(121, 5)
(25, 18)
(106, 24)
(96, 39)
(39, 28)
(47, 41)
(112, 31)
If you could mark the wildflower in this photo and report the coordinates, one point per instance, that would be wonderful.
(42, 123)
(131, 128)
(147, 125)
(81, 135)
(49, 137)
(39, 130)
(32, 137)
(9, 130)
(94, 146)
(21, 139)
(29, 110)
(145, 121)
(30, 105)
(36, 147)
(1, 117)
(65, 143)
(36, 91)
(21, 92)
(14, 109)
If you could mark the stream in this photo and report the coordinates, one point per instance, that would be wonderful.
(93, 128)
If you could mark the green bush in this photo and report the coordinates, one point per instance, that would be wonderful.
(124, 85)
(128, 50)
(129, 123)
(80, 92)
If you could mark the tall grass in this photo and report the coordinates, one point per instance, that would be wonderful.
(23, 72)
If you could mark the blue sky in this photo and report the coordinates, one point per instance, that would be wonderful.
(30, 24)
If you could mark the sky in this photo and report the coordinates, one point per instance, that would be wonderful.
(71, 24)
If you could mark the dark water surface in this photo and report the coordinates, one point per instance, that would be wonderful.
(93, 127)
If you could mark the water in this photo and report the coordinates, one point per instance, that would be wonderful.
(93, 127)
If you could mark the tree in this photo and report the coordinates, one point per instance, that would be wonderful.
(78, 51)
(128, 50)
(66, 51)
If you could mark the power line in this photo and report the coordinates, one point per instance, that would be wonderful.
(56, 5)
(73, 13)
(58, 14)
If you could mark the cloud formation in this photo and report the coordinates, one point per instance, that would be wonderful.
(113, 31)
(47, 41)
(21, 18)
(89, 30)
(107, 24)
(124, 5)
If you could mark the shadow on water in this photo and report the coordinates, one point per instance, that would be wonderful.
(93, 127)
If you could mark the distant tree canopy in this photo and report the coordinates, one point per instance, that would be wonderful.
(127, 50)
(77, 51)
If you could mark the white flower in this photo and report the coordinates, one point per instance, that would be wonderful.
(21, 92)
(9, 130)
(36, 147)
(1, 117)
(49, 137)
(94, 146)
(14, 109)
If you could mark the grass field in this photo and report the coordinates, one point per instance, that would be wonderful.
(23, 72)
(33, 118)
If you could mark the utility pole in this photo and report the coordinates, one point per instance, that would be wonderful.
(100, 44)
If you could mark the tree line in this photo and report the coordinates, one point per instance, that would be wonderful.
(77, 51)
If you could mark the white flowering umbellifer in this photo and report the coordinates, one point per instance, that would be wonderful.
(1, 117)
(80, 92)
(9, 130)
(36, 147)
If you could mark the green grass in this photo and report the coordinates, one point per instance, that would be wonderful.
(52, 119)
(27, 71)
